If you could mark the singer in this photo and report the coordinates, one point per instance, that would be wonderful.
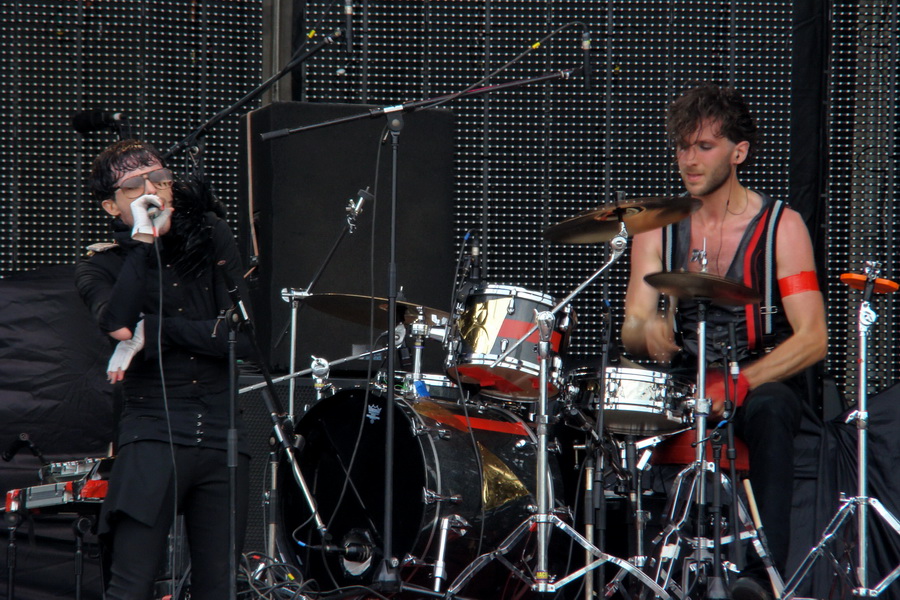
(158, 294)
(714, 135)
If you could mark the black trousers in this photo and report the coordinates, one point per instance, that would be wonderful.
(768, 421)
(137, 547)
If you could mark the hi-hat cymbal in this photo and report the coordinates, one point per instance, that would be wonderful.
(687, 285)
(638, 214)
(355, 308)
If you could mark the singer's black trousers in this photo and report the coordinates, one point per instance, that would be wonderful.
(137, 549)
(768, 421)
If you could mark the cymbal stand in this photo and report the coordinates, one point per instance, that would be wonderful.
(695, 472)
(294, 296)
(862, 501)
(543, 520)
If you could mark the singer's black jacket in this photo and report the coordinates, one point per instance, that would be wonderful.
(185, 352)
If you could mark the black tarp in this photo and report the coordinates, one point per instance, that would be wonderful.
(52, 387)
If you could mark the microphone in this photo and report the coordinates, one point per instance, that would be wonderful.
(475, 262)
(732, 342)
(233, 291)
(586, 57)
(95, 120)
(734, 370)
(154, 210)
(348, 24)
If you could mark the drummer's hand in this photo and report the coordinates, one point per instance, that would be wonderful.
(715, 391)
(660, 337)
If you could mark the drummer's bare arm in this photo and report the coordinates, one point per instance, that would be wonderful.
(646, 332)
(803, 306)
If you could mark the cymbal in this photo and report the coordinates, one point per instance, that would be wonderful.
(355, 308)
(638, 214)
(687, 285)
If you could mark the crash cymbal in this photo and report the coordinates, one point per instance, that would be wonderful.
(355, 308)
(687, 285)
(638, 214)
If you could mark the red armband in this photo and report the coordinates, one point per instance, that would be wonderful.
(737, 393)
(804, 281)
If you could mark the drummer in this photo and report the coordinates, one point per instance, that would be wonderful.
(714, 137)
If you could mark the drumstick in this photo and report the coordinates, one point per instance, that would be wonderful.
(751, 500)
(757, 522)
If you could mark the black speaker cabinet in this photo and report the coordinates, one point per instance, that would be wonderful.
(296, 190)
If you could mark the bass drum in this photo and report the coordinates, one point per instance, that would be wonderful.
(477, 464)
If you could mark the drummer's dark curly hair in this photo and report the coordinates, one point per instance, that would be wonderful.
(121, 157)
(709, 101)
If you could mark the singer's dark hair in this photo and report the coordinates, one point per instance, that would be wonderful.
(121, 157)
(709, 101)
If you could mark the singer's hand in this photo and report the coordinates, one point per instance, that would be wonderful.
(715, 391)
(124, 352)
(150, 217)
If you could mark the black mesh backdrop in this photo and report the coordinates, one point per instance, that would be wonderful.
(862, 217)
(167, 65)
(530, 157)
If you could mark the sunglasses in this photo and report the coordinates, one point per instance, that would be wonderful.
(133, 187)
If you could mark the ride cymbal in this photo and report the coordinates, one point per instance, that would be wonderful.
(686, 285)
(355, 308)
(639, 215)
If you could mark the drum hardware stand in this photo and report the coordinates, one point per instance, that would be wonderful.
(697, 488)
(305, 372)
(617, 245)
(449, 523)
(545, 322)
(862, 501)
(294, 295)
(543, 519)
(320, 370)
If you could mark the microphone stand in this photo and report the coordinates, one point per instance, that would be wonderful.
(421, 104)
(232, 461)
(387, 576)
(300, 56)
(282, 429)
(731, 451)
(597, 510)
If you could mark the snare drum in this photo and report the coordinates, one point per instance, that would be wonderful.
(494, 318)
(636, 401)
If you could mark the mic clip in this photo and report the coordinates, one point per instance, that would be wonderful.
(354, 208)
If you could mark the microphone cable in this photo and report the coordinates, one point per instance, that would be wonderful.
(165, 399)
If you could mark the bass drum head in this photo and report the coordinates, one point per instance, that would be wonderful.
(438, 476)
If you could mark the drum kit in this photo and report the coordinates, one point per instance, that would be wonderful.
(477, 472)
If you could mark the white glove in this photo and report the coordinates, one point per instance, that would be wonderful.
(148, 218)
(124, 352)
